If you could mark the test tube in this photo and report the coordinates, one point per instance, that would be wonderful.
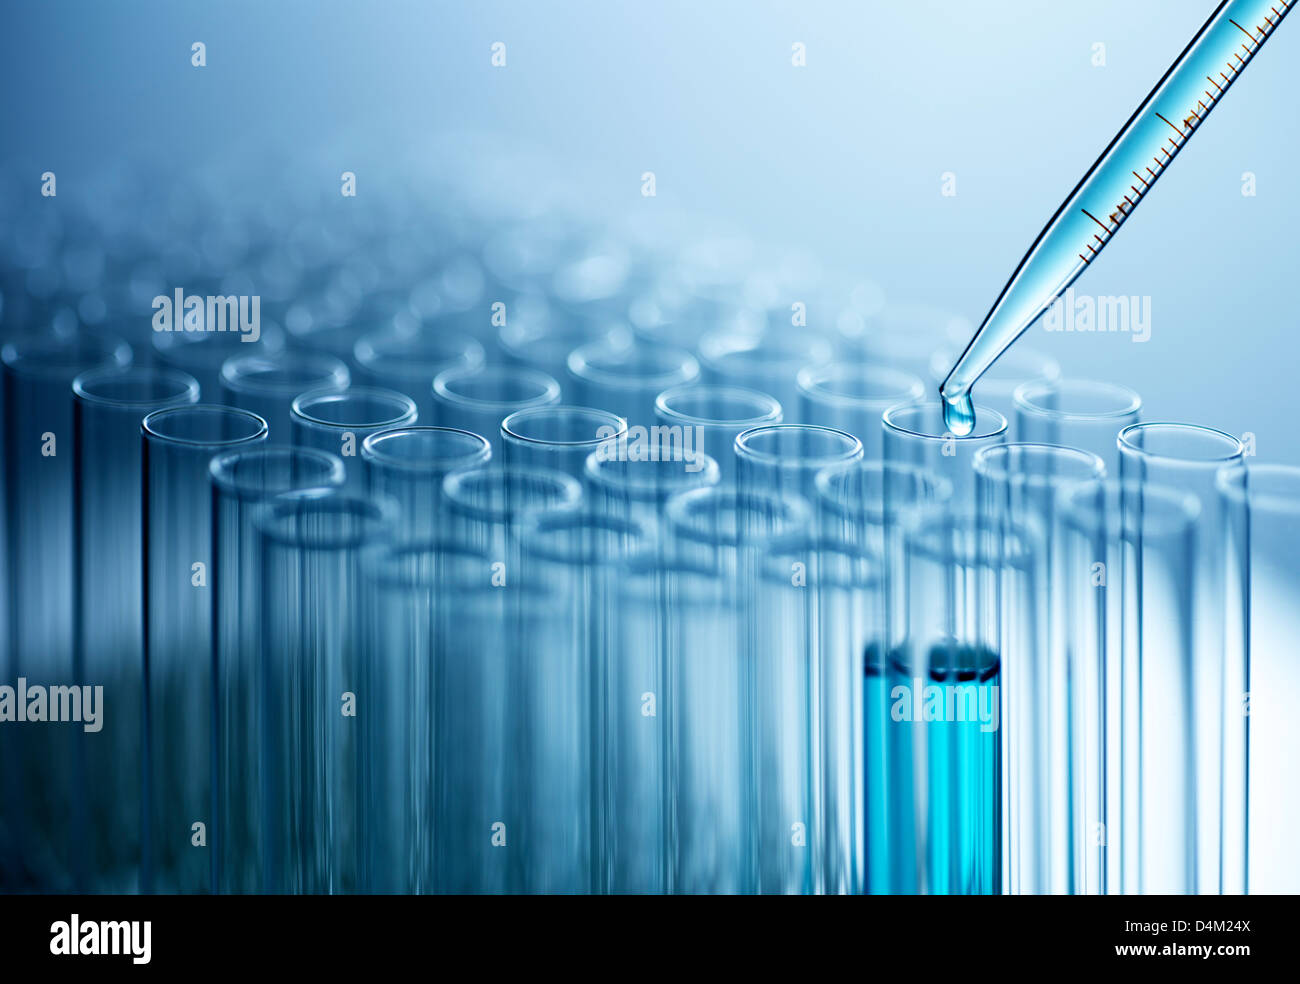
(1077, 413)
(478, 399)
(574, 702)
(408, 361)
(1262, 503)
(639, 490)
(242, 481)
(946, 707)
(408, 464)
(38, 763)
(819, 608)
(267, 384)
(625, 379)
(1129, 553)
(712, 630)
(852, 397)
(438, 814)
(541, 340)
(1017, 487)
(316, 702)
(203, 353)
(914, 433)
(1188, 456)
(712, 416)
(486, 507)
(768, 362)
(178, 443)
(561, 437)
(339, 421)
(108, 406)
(787, 457)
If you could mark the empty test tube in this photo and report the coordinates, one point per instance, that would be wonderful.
(626, 379)
(1188, 457)
(266, 384)
(479, 399)
(711, 416)
(561, 437)
(242, 482)
(1077, 413)
(1017, 487)
(408, 464)
(39, 474)
(768, 362)
(852, 397)
(178, 558)
(314, 644)
(339, 421)
(574, 706)
(1262, 505)
(108, 406)
(409, 360)
(915, 434)
(1128, 560)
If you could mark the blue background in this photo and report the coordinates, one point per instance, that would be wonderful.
(842, 158)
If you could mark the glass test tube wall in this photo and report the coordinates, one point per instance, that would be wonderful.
(1017, 486)
(109, 405)
(38, 765)
(314, 645)
(178, 559)
(1127, 570)
(242, 482)
(1262, 506)
(1188, 457)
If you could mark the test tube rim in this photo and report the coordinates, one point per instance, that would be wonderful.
(381, 515)
(1081, 516)
(888, 423)
(677, 511)
(746, 437)
(710, 474)
(1233, 484)
(188, 386)
(409, 414)
(943, 487)
(508, 433)
(370, 358)
(371, 452)
(580, 366)
(550, 388)
(1024, 403)
(774, 415)
(533, 522)
(221, 470)
(571, 490)
(983, 464)
(237, 372)
(806, 385)
(1126, 446)
(149, 425)
(812, 544)
(15, 355)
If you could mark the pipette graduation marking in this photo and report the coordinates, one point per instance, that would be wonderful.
(1112, 188)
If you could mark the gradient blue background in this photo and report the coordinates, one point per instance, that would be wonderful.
(842, 158)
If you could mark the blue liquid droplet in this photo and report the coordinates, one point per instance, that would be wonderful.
(959, 414)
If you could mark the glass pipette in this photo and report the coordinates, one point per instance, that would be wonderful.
(1121, 177)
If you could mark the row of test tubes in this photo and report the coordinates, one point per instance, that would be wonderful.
(635, 581)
